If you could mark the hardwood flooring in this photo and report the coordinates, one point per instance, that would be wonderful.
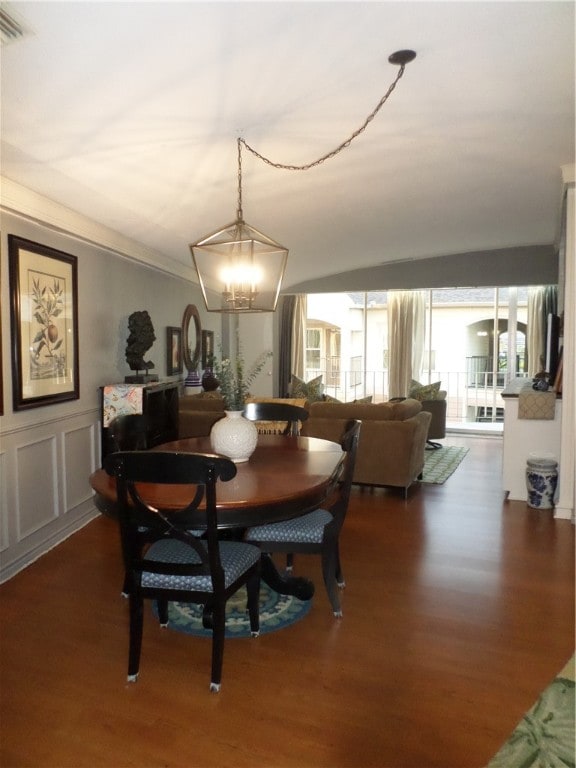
(458, 611)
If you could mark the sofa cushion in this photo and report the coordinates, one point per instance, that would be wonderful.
(204, 401)
(371, 411)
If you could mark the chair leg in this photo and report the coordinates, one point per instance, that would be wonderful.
(162, 606)
(253, 590)
(136, 625)
(218, 631)
(339, 574)
(329, 574)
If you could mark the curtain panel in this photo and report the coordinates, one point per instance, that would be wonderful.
(406, 332)
(292, 347)
(542, 301)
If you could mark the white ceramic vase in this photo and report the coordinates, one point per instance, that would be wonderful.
(234, 437)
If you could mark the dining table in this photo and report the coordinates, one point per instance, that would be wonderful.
(285, 477)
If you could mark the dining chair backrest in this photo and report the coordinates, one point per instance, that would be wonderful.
(128, 433)
(136, 512)
(349, 443)
(163, 560)
(280, 413)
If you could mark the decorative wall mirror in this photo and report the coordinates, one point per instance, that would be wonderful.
(191, 337)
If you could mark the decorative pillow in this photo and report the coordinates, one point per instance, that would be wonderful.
(312, 390)
(423, 392)
(367, 399)
(330, 399)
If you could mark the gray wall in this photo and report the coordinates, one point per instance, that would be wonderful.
(48, 453)
(526, 265)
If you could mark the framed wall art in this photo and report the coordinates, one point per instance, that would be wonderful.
(207, 348)
(174, 363)
(44, 317)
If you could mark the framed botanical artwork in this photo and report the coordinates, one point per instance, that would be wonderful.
(207, 348)
(44, 316)
(174, 364)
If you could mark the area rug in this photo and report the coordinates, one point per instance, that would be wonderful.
(439, 464)
(544, 738)
(276, 612)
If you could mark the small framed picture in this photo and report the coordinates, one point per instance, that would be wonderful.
(174, 364)
(207, 348)
(44, 316)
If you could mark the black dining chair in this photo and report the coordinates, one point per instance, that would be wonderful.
(166, 563)
(317, 532)
(128, 432)
(282, 416)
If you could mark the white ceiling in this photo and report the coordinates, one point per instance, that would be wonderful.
(128, 112)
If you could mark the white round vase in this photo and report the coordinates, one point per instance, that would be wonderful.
(234, 437)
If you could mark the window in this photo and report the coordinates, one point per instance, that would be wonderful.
(313, 349)
(469, 346)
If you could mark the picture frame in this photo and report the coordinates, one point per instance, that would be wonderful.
(207, 348)
(174, 361)
(43, 285)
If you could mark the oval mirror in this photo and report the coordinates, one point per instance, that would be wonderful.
(191, 337)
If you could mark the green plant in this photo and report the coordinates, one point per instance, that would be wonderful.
(235, 380)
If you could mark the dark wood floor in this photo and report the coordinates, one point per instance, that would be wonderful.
(459, 610)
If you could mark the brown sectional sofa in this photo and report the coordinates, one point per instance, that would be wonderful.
(197, 414)
(392, 437)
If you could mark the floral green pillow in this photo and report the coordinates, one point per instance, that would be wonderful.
(312, 390)
(424, 391)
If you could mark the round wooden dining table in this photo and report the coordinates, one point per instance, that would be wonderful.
(285, 477)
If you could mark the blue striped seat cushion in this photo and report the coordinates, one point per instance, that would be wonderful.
(235, 556)
(307, 529)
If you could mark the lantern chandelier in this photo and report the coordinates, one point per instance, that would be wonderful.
(246, 266)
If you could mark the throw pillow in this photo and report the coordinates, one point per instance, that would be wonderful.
(330, 399)
(312, 390)
(367, 399)
(423, 392)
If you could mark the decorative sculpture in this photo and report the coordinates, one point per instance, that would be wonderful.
(139, 342)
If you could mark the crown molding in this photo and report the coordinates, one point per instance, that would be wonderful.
(32, 206)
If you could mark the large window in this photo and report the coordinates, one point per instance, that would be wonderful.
(475, 341)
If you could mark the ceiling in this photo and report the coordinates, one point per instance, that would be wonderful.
(129, 113)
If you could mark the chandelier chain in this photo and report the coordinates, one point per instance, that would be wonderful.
(328, 155)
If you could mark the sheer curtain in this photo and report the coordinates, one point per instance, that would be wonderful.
(542, 301)
(406, 332)
(299, 335)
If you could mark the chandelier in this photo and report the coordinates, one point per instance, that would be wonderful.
(240, 269)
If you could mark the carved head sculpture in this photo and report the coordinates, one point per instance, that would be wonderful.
(139, 341)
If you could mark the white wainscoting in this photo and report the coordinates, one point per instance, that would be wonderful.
(45, 495)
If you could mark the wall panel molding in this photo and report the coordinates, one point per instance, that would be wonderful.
(36, 486)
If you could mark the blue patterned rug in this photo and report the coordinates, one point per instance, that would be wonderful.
(276, 612)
